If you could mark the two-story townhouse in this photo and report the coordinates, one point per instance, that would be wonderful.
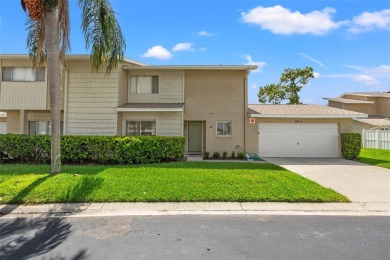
(206, 104)
(375, 104)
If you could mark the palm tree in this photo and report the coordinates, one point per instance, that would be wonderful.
(48, 41)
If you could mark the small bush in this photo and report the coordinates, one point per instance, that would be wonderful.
(206, 155)
(93, 149)
(224, 155)
(241, 155)
(233, 155)
(351, 144)
(216, 155)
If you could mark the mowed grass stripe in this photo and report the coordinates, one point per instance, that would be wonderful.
(173, 182)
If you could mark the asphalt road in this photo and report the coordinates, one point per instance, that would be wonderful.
(196, 237)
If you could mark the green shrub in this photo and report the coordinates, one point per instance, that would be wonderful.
(93, 149)
(241, 155)
(216, 155)
(351, 143)
(206, 155)
(224, 155)
(233, 155)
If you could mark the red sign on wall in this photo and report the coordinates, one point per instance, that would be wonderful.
(252, 121)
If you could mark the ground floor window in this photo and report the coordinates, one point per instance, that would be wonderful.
(41, 127)
(224, 128)
(141, 127)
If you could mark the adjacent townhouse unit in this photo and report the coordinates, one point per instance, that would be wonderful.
(375, 104)
(208, 105)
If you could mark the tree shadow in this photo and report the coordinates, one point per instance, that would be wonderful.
(81, 191)
(23, 238)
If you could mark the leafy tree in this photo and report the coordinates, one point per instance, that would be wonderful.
(291, 82)
(48, 41)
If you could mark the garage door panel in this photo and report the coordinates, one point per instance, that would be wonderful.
(298, 140)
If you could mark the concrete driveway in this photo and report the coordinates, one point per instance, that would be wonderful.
(359, 182)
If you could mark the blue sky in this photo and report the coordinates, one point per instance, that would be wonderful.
(347, 42)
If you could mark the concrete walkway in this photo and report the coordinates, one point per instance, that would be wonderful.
(360, 182)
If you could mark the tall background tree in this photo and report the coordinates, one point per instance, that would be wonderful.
(289, 86)
(48, 41)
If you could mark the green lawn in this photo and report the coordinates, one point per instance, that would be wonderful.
(171, 182)
(376, 157)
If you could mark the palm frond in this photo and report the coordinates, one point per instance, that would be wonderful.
(23, 5)
(63, 28)
(36, 41)
(102, 33)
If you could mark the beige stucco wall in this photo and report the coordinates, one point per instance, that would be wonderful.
(357, 126)
(335, 104)
(92, 100)
(212, 96)
(21, 95)
(383, 106)
(13, 122)
(167, 123)
(345, 126)
(370, 109)
(171, 84)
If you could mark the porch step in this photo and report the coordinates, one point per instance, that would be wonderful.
(194, 158)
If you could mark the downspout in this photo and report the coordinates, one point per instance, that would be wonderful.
(66, 99)
(245, 104)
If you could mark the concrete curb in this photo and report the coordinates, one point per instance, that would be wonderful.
(196, 208)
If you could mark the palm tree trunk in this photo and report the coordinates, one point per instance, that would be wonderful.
(54, 78)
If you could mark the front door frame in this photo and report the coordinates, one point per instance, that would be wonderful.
(187, 137)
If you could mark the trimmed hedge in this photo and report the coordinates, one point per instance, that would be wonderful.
(93, 149)
(351, 143)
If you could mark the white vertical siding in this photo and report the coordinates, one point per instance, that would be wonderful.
(92, 100)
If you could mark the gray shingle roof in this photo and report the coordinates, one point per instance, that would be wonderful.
(375, 120)
(301, 110)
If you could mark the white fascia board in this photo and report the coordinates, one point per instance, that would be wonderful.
(308, 116)
(149, 110)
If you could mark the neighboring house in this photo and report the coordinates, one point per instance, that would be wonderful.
(375, 104)
(206, 104)
(3, 123)
(297, 130)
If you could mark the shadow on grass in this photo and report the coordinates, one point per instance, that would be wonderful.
(81, 191)
(374, 162)
(24, 238)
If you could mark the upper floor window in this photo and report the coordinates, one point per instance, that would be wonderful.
(22, 74)
(143, 84)
(224, 128)
(144, 127)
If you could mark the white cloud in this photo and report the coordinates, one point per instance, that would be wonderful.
(260, 64)
(379, 71)
(203, 49)
(280, 20)
(368, 21)
(316, 75)
(184, 46)
(205, 33)
(304, 55)
(158, 52)
(254, 86)
(368, 80)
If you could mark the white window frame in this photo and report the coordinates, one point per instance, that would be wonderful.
(137, 90)
(139, 126)
(27, 70)
(224, 122)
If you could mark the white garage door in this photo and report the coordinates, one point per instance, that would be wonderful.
(3, 127)
(298, 140)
